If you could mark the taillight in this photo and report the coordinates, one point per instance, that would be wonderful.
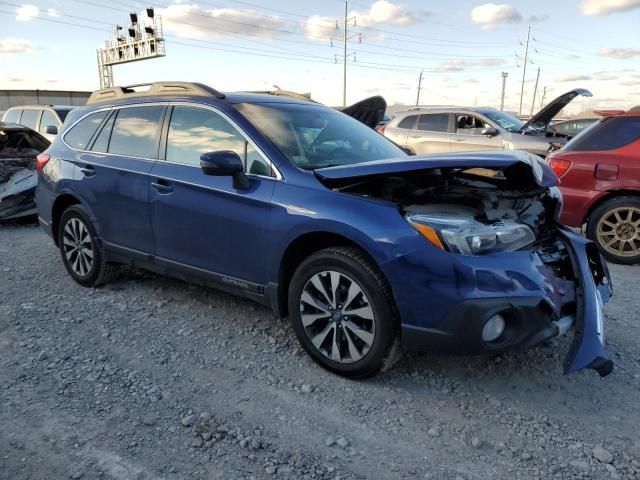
(560, 166)
(41, 161)
(380, 130)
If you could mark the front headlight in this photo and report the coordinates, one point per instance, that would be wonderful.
(467, 236)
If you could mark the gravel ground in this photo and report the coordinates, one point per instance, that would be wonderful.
(151, 378)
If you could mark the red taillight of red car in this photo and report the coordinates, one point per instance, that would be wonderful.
(41, 161)
(560, 166)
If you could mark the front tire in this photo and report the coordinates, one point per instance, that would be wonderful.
(81, 251)
(615, 227)
(343, 313)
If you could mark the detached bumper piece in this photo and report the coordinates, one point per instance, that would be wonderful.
(593, 290)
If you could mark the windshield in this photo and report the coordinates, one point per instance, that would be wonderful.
(506, 121)
(311, 136)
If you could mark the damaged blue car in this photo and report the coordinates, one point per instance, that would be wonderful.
(308, 211)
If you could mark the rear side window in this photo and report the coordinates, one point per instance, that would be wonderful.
(436, 122)
(12, 116)
(48, 119)
(29, 118)
(608, 134)
(408, 122)
(101, 144)
(80, 134)
(135, 132)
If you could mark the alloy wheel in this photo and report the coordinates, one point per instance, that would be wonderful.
(618, 231)
(77, 246)
(337, 316)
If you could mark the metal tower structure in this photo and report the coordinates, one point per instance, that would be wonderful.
(140, 39)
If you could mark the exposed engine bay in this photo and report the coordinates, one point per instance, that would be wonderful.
(488, 195)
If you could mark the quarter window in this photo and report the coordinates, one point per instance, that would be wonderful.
(408, 122)
(29, 118)
(12, 116)
(135, 132)
(194, 131)
(80, 134)
(48, 119)
(436, 122)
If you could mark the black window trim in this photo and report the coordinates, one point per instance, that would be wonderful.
(96, 134)
(277, 175)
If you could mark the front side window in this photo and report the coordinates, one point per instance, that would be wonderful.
(12, 116)
(194, 131)
(505, 120)
(136, 131)
(608, 134)
(48, 119)
(29, 118)
(80, 134)
(435, 122)
(470, 125)
(313, 136)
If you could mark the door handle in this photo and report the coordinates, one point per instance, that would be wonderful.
(88, 170)
(459, 140)
(416, 136)
(162, 186)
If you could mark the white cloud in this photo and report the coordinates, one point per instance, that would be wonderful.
(572, 78)
(606, 7)
(385, 12)
(490, 62)
(13, 46)
(26, 13)
(194, 22)
(52, 12)
(490, 15)
(320, 28)
(620, 53)
(452, 66)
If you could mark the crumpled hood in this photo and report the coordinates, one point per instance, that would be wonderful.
(542, 173)
(541, 119)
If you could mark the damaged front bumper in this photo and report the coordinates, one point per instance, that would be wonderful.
(536, 303)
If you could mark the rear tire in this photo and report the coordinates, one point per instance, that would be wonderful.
(343, 313)
(81, 251)
(615, 228)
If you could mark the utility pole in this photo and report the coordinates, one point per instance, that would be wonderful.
(419, 88)
(346, 39)
(535, 91)
(504, 84)
(524, 71)
(544, 94)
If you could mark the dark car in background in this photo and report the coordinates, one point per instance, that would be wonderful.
(308, 211)
(600, 180)
(19, 147)
(45, 119)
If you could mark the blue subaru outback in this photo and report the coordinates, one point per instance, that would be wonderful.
(306, 210)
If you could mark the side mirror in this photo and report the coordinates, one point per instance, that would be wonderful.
(51, 130)
(225, 163)
(490, 132)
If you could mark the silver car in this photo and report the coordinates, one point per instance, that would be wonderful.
(459, 129)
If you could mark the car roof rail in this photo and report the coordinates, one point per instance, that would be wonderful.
(155, 88)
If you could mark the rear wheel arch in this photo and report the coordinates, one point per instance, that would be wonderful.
(300, 249)
(59, 206)
(610, 195)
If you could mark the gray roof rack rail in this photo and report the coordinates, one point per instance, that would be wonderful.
(156, 88)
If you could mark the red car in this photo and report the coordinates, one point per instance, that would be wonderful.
(599, 171)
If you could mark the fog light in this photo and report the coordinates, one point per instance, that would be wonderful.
(493, 328)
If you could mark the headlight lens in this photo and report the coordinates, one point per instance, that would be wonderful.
(467, 236)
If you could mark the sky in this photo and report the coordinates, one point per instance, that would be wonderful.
(462, 47)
